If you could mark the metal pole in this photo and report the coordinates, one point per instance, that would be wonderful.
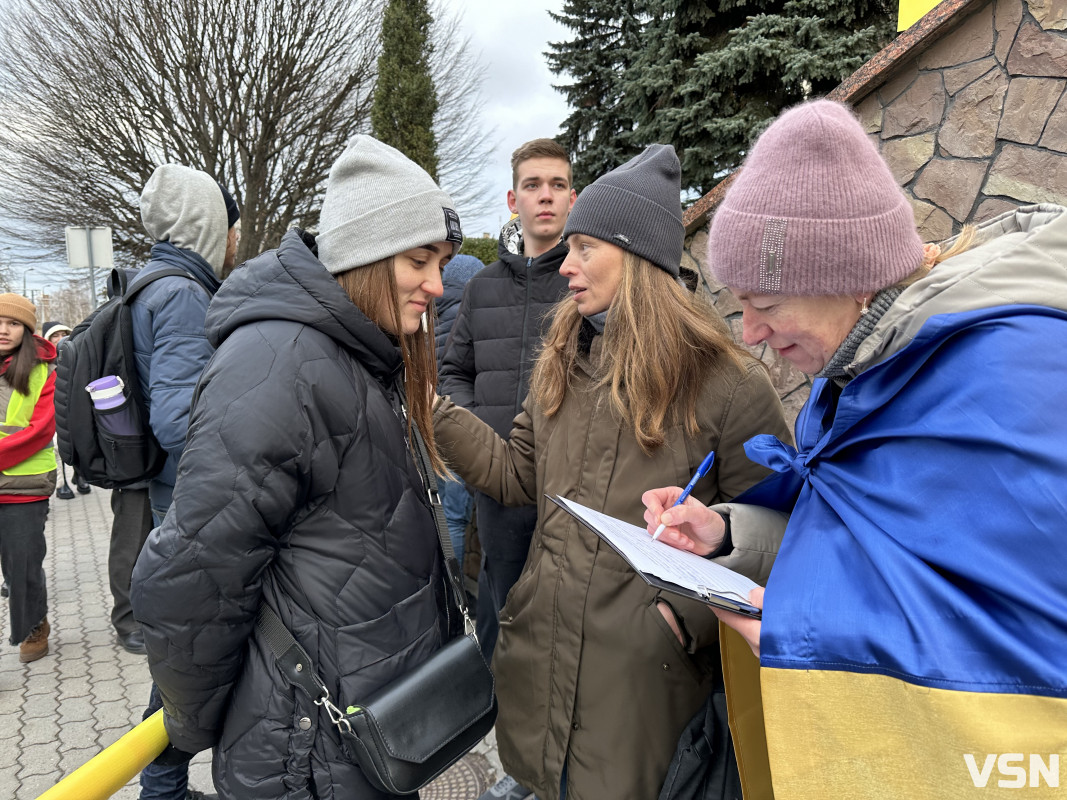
(92, 274)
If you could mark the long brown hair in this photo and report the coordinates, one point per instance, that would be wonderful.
(373, 290)
(23, 359)
(660, 342)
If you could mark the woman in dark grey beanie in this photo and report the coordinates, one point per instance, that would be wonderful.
(597, 673)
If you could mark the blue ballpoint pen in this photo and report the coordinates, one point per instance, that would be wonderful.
(702, 470)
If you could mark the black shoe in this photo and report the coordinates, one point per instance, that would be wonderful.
(132, 642)
(64, 492)
(5, 590)
(83, 486)
(193, 794)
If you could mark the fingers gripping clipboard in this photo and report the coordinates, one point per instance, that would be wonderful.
(665, 567)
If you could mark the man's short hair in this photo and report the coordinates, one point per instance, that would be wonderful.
(538, 148)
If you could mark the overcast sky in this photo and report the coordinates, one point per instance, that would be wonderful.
(519, 99)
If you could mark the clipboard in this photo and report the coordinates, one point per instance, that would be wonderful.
(701, 593)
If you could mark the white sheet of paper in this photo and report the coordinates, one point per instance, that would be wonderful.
(660, 559)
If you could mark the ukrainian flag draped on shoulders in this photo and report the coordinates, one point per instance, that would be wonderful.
(915, 621)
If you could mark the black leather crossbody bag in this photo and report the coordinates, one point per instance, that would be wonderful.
(410, 731)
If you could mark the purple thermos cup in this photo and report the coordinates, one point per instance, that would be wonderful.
(109, 400)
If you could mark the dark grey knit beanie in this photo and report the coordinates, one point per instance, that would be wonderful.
(637, 207)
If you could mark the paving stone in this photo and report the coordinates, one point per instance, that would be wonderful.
(39, 705)
(76, 710)
(39, 759)
(47, 683)
(40, 730)
(70, 688)
(70, 760)
(112, 714)
(32, 786)
(77, 734)
(109, 689)
(9, 781)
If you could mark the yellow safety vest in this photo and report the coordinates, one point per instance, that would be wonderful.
(19, 412)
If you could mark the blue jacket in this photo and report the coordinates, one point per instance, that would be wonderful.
(457, 272)
(171, 347)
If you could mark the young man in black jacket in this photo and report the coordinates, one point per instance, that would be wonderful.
(490, 354)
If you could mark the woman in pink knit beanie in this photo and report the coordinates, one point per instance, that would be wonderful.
(916, 614)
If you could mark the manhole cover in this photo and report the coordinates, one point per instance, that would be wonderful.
(467, 780)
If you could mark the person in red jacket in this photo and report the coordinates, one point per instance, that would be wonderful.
(27, 469)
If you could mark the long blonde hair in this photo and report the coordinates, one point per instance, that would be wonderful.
(660, 342)
(373, 290)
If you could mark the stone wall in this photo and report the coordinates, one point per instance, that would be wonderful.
(977, 123)
(972, 124)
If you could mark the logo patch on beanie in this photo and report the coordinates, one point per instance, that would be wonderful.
(453, 232)
(771, 253)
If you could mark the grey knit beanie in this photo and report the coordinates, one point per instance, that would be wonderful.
(379, 203)
(637, 207)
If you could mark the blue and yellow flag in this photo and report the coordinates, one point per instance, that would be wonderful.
(914, 640)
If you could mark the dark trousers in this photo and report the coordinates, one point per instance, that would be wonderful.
(505, 535)
(22, 551)
(129, 529)
(162, 783)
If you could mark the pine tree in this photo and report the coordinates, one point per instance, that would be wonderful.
(707, 77)
(405, 99)
(595, 134)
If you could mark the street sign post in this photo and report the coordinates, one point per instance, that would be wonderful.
(89, 247)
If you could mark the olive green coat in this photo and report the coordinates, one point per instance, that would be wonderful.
(588, 672)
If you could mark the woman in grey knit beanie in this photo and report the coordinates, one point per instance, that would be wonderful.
(597, 672)
(919, 590)
(301, 489)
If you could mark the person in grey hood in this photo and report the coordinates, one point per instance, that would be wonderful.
(298, 488)
(193, 220)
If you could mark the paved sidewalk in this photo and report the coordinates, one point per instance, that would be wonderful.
(58, 712)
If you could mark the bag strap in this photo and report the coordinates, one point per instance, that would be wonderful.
(140, 282)
(452, 568)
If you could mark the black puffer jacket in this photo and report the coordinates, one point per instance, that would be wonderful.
(296, 489)
(497, 333)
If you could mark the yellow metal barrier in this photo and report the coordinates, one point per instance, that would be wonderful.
(108, 771)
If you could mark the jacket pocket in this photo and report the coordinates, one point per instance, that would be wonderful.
(372, 653)
(677, 652)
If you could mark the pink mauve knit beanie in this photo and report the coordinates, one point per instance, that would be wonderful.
(814, 211)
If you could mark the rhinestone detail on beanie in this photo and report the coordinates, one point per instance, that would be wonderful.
(770, 255)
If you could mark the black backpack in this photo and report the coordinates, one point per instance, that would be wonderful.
(102, 344)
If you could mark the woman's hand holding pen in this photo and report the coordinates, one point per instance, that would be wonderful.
(691, 526)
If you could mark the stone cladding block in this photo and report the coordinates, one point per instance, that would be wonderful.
(919, 109)
(1027, 107)
(972, 40)
(933, 223)
(1023, 173)
(952, 185)
(959, 77)
(992, 207)
(1038, 53)
(1008, 16)
(869, 112)
(1055, 137)
(1051, 15)
(970, 127)
(908, 155)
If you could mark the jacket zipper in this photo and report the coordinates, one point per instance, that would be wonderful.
(522, 349)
